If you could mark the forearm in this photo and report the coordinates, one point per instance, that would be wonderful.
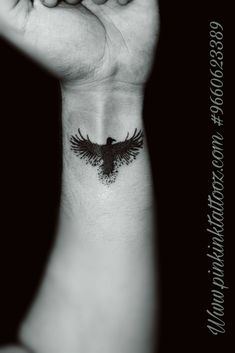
(102, 263)
(114, 222)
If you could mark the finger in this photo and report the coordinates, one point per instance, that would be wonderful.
(73, 2)
(50, 3)
(121, 2)
(99, 2)
(124, 2)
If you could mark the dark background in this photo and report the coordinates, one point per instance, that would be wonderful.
(179, 131)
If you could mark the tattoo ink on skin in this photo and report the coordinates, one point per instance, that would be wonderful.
(108, 158)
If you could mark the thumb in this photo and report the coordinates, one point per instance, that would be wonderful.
(7, 6)
(12, 19)
(17, 39)
(12, 14)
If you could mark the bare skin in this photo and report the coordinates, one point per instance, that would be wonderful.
(98, 292)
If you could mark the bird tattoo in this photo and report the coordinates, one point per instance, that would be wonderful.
(108, 157)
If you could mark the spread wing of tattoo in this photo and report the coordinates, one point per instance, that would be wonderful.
(107, 157)
(126, 151)
(86, 149)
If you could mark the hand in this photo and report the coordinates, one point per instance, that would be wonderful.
(85, 41)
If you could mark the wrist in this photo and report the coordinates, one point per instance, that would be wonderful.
(101, 111)
(102, 108)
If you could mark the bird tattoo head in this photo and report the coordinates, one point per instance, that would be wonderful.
(107, 157)
(109, 141)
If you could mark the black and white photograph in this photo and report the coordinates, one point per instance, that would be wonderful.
(116, 176)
